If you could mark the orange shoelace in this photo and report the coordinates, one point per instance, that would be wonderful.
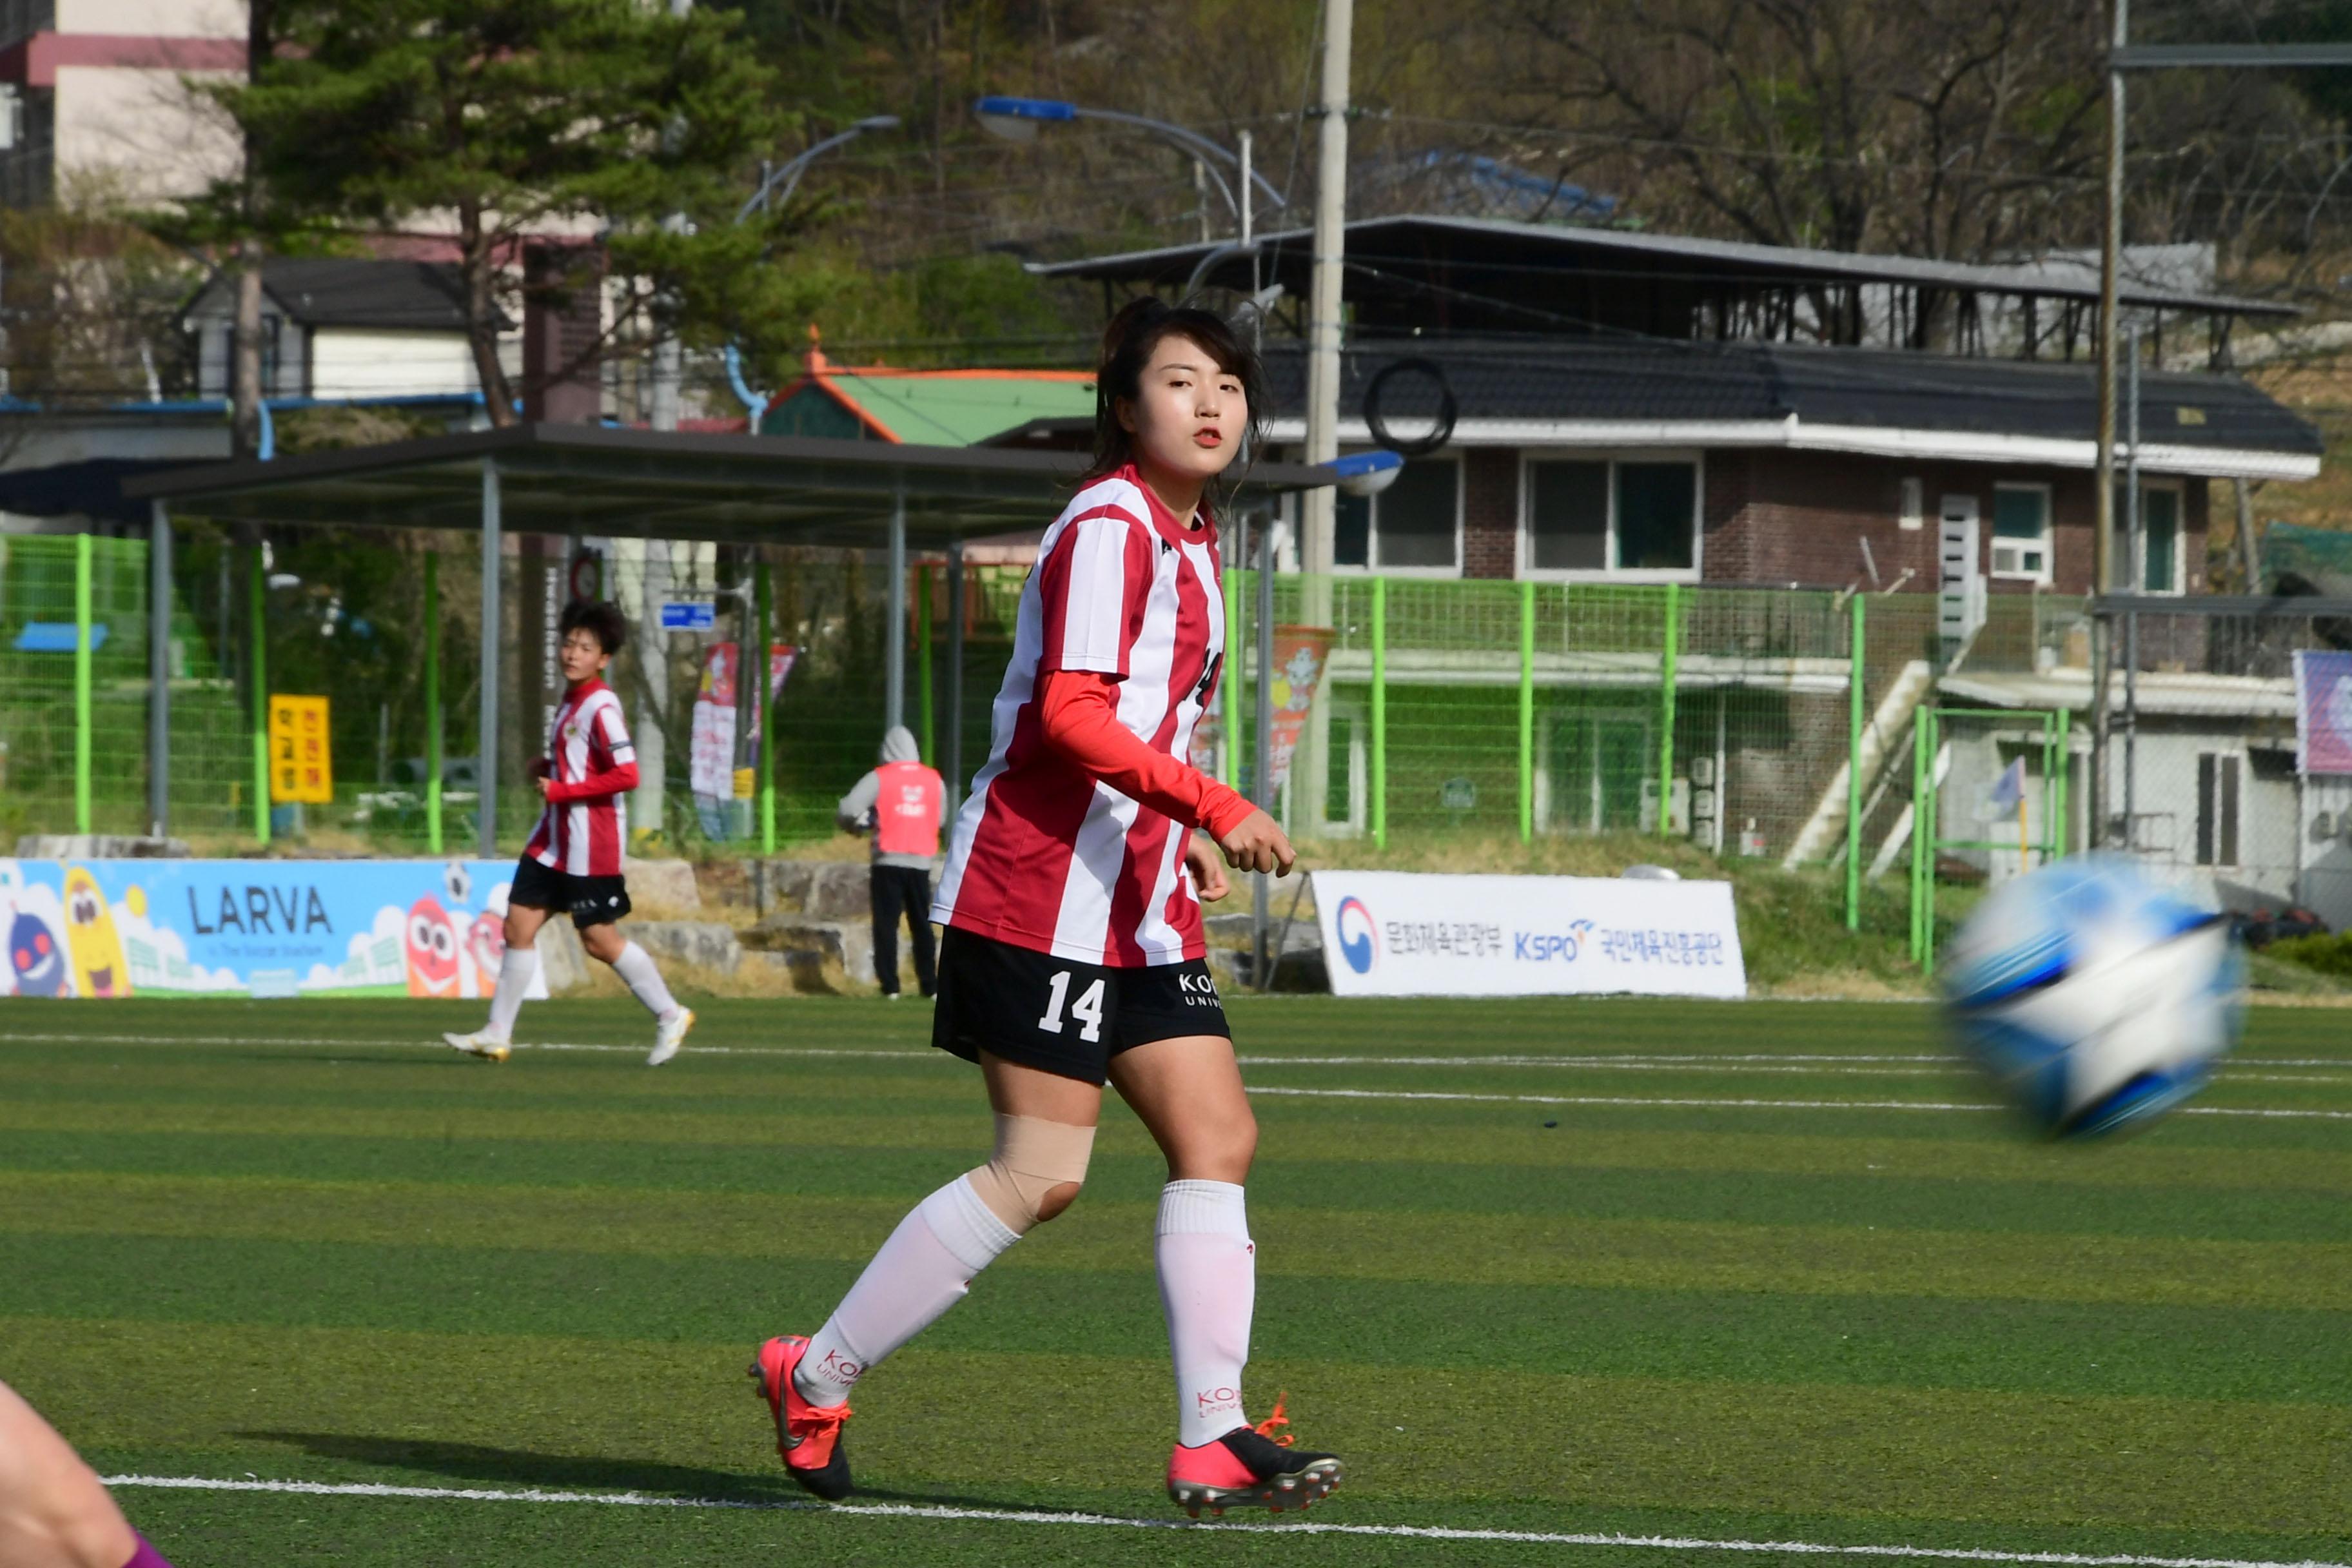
(1265, 1428)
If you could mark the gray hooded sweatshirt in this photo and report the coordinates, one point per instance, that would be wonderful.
(855, 812)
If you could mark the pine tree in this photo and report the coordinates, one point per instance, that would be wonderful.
(609, 130)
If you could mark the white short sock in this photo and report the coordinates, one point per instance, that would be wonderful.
(515, 972)
(1208, 1284)
(922, 1271)
(636, 966)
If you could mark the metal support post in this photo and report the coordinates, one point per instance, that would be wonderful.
(1526, 711)
(257, 606)
(1379, 748)
(486, 765)
(1853, 679)
(1671, 655)
(83, 546)
(894, 658)
(2131, 727)
(953, 756)
(1262, 741)
(928, 734)
(2134, 535)
(1229, 755)
(756, 669)
(2061, 814)
(159, 670)
(433, 700)
(1920, 724)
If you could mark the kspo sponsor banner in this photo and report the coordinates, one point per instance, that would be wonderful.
(1392, 934)
(105, 929)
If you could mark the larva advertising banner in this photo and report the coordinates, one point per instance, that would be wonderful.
(104, 929)
(1396, 933)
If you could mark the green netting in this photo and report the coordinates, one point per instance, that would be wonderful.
(1720, 716)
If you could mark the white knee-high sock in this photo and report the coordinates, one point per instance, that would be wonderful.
(636, 966)
(1208, 1283)
(516, 971)
(922, 1271)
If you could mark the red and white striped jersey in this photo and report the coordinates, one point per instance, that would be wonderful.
(591, 761)
(1043, 855)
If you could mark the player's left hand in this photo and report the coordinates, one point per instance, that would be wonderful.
(1208, 864)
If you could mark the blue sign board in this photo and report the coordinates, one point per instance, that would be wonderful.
(688, 614)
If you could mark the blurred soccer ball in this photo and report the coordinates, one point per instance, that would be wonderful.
(2094, 998)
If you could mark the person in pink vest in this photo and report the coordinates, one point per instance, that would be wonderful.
(902, 804)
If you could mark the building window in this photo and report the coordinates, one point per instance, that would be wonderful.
(2217, 807)
(1415, 524)
(2160, 531)
(1611, 516)
(2020, 531)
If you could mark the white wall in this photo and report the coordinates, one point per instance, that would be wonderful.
(153, 18)
(347, 362)
(139, 135)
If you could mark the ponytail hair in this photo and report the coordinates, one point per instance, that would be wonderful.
(1126, 348)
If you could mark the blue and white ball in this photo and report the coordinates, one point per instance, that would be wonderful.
(2095, 998)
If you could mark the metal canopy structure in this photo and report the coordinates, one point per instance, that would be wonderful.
(644, 484)
(635, 484)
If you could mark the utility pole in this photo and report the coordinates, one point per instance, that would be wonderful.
(1309, 765)
(1323, 303)
(2103, 512)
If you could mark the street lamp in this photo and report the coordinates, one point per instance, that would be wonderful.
(777, 186)
(1021, 118)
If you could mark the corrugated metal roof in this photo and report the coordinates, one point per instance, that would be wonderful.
(1432, 242)
(1582, 379)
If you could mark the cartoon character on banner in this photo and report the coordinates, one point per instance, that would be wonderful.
(485, 945)
(90, 937)
(432, 948)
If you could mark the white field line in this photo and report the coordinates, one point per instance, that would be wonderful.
(1758, 1061)
(1726, 1104)
(1113, 1521)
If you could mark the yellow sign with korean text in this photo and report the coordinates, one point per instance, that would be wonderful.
(300, 766)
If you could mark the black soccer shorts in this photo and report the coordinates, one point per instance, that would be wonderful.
(590, 900)
(1061, 1016)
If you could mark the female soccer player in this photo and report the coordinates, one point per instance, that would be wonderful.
(572, 862)
(1073, 952)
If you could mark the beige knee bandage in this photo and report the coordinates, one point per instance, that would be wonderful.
(1032, 1157)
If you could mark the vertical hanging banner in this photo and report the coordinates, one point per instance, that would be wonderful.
(712, 762)
(1300, 653)
(301, 768)
(2323, 712)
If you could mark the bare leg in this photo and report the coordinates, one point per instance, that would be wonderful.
(1189, 1093)
(53, 1512)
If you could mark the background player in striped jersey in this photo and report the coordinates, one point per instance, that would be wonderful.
(1074, 950)
(573, 860)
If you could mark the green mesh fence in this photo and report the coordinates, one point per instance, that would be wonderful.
(1722, 717)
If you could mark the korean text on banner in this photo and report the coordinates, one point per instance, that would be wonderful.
(300, 764)
(2323, 712)
(108, 929)
(1394, 933)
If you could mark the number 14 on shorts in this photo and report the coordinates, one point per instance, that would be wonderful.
(1087, 1009)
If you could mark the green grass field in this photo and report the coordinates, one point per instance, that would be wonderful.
(1751, 1273)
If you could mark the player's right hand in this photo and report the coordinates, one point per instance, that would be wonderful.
(1257, 844)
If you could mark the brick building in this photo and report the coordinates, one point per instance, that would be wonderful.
(1636, 409)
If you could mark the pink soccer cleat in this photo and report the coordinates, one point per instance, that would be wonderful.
(1250, 1468)
(808, 1436)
